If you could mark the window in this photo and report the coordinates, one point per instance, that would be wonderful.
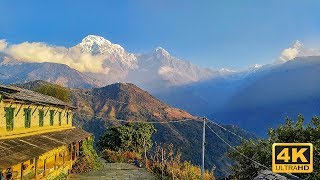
(41, 117)
(67, 117)
(51, 117)
(9, 118)
(27, 118)
(60, 118)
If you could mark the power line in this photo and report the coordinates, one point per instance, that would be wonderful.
(150, 122)
(198, 119)
(243, 155)
(227, 130)
(236, 149)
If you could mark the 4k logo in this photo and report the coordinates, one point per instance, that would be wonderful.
(292, 158)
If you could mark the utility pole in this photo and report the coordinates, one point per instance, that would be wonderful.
(203, 145)
(162, 163)
(145, 152)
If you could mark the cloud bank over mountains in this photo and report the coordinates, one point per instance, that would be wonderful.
(297, 50)
(3, 45)
(106, 62)
(41, 52)
(95, 54)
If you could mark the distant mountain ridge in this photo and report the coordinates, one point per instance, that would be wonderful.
(21, 72)
(257, 100)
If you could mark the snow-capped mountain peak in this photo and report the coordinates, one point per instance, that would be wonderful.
(93, 44)
(114, 55)
(161, 52)
(257, 66)
(297, 45)
(225, 71)
(254, 68)
(91, 39)
(98, 45)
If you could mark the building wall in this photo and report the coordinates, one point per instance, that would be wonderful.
(49, 160)
(19, 119)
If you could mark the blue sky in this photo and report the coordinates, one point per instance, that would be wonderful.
(233, 34)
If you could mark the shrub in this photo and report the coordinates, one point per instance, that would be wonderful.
(261, 150)
(89, 159)
(128, 137)
(166, 163)
(118, 156)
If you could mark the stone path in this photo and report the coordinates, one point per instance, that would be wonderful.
(115, 171)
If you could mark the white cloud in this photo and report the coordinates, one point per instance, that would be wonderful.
(3, 45)
(297, 50)
(40, 52)
(288, 54)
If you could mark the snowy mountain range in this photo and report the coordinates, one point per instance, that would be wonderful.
(260, 96)
(104, 63)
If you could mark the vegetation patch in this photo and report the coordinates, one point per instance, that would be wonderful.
(261, 150)
(165, 163)
(120, 157)
(61, 176)
(56, 91)
(89, 160)
(128, 137)
(130, 143)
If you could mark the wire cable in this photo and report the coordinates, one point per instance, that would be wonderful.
(227, 130)
(243, 155)
(235, 148)
(150, 122)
